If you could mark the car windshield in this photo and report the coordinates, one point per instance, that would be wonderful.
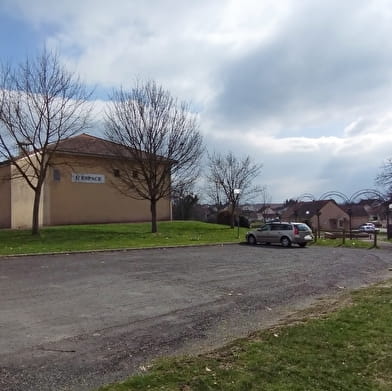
(303, 227)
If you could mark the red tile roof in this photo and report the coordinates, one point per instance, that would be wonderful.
(85, 144)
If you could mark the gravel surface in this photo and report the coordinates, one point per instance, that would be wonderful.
(74, 322)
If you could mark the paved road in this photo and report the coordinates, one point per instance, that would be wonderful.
(73, 322)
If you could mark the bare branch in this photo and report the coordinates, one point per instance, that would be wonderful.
(226, 175)
(385, 176)
(161, 141)
(41, 104)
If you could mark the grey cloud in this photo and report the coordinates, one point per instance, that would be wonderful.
(333, 58)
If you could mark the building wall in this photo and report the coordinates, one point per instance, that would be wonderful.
(64, 201)
(330, 217)
(356, 221)
(70, 202)
(5, 197)
(22, 200)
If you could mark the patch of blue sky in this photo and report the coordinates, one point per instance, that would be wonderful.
(19, 39)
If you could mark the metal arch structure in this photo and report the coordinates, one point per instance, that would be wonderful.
(383, 200)
(370, 193)
(332, 194)
(304, 196)
(375, 194)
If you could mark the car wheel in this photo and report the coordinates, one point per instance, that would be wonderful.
(302, 244)
(285, 241)
(251, 240)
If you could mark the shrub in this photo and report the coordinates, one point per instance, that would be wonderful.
(224, 218)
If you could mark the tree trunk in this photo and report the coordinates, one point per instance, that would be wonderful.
(153, 207)
(37, 198)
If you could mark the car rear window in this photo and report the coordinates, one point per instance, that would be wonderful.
(302, 227)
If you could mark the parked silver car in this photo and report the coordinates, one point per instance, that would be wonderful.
(281, 232)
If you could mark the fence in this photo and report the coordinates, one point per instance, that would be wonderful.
(349, 235)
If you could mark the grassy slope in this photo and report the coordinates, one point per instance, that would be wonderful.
(350, 349)
(113, 236)
(110, 236)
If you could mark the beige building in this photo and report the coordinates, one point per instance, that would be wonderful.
(80, 188)
(320, 215)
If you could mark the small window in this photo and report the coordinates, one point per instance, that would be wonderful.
(135, 174)
(56, 175)
(116, 172)
(340, 223)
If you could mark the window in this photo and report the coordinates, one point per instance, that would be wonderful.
(265, 228)
(56, 175)
(281, 227)
(116, 172)
(135, 174)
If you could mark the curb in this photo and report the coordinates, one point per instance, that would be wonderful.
(121, 249)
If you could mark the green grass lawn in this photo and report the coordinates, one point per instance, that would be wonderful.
(349, 349)
(111, 236)
(135, 235)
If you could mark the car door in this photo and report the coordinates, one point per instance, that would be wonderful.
(263, 233)
(277, 233)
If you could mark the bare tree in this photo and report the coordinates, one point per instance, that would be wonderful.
(214, 193)
(162, 145)
(385, 176)
(41, 103)
(232, 179)
(265, 203)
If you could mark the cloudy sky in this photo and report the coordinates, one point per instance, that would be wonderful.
(302, 86)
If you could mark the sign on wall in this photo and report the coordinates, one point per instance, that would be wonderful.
(88, 178)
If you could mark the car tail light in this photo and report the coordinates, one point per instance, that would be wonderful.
(296, 230)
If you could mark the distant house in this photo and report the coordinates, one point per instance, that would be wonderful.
(320, 215)
(80, 187)
(377, 210)
(359, 215)
(269, 211)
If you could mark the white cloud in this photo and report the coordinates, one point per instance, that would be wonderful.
(304, 87)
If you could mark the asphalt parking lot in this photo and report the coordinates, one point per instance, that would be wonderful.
(74, 322)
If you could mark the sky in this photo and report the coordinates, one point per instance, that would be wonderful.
(304, 87)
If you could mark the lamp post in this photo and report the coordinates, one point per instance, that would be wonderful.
(350, 213)
(318, 223)
(237, 193)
